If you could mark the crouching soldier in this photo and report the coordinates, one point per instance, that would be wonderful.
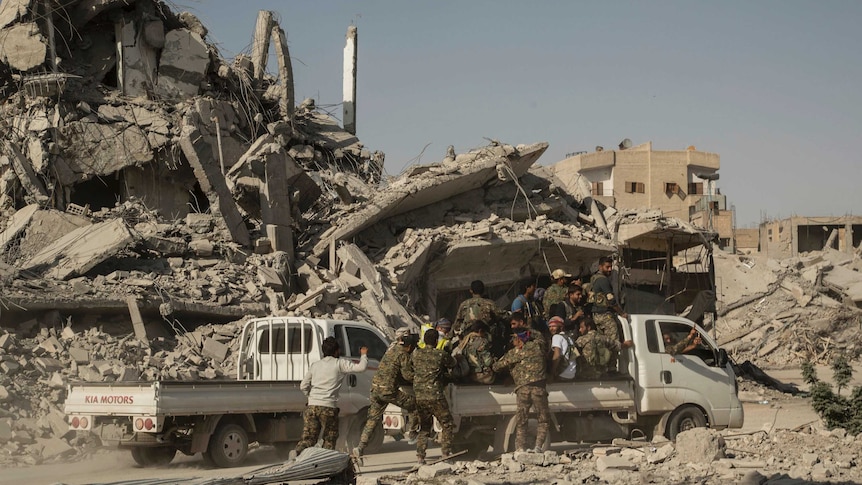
(476, 350)
(321, 385)
(598, 351)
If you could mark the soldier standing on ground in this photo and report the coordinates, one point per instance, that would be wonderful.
(526, 364)
(321, 385)
(395, 370)
(429, 366)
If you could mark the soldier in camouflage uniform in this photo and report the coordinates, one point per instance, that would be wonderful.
(556, 293)
(518, 323)
(477, 307)
(395, 370)
(592, 344)
(429, 366)
(526, 364)
(689, 343)
(604, 304)
(321, 384)
(476, 349)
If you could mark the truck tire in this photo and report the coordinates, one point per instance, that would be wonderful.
(153, 456)
(228, 446)
(684, 419)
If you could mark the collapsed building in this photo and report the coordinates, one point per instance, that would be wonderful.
(153, 194)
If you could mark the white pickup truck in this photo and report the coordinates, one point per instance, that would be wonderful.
(656, 393)
(220, 418)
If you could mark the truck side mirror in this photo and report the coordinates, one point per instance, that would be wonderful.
(722, 358)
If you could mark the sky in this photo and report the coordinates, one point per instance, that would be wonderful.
(773, 87)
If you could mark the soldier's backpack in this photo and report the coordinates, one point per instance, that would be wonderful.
(599, 354)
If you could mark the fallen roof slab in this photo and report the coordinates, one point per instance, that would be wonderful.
(17, 223)
(79, 251)
(431, 186)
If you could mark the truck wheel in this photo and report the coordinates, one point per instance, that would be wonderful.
(150, 457)
(684, 419)
(228, 446)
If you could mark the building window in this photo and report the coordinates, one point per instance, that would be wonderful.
(635, 187)
(598, 189)
(713, 205)
(671, 188)
(695, 188)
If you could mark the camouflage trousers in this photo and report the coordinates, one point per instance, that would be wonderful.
(378, 405)
(428, 410)
(537, 398)
(606, 323)
(314, 418)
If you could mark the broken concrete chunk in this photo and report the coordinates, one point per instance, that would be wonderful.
(202, 247)
(22, 46)
(214, 349)
(270, 278)
(81, 250)
(183, 65)
(700, 445)
(199, 223)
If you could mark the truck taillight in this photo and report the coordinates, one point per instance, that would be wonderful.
(79, 423)
(387, 421)
(146, 424)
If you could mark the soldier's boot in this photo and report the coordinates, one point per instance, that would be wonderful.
(420, 460)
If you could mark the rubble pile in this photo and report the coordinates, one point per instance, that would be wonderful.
(790, 311)
(698, 456)
(36, 369)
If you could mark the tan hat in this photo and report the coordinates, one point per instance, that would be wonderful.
(559, 273)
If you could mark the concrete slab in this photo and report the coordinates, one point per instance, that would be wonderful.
(200, 153)
(183, 65)
(411, 192)
(81, 250)
(16, 224)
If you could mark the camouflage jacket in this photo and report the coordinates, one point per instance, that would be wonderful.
(477, 351)
(429, 366)
(553, 295)
(589, 344)
(394, 371)
(527, 364)
(475, 308)
(601, 296)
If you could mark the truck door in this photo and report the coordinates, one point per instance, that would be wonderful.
(356, 387)
(690, 373)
